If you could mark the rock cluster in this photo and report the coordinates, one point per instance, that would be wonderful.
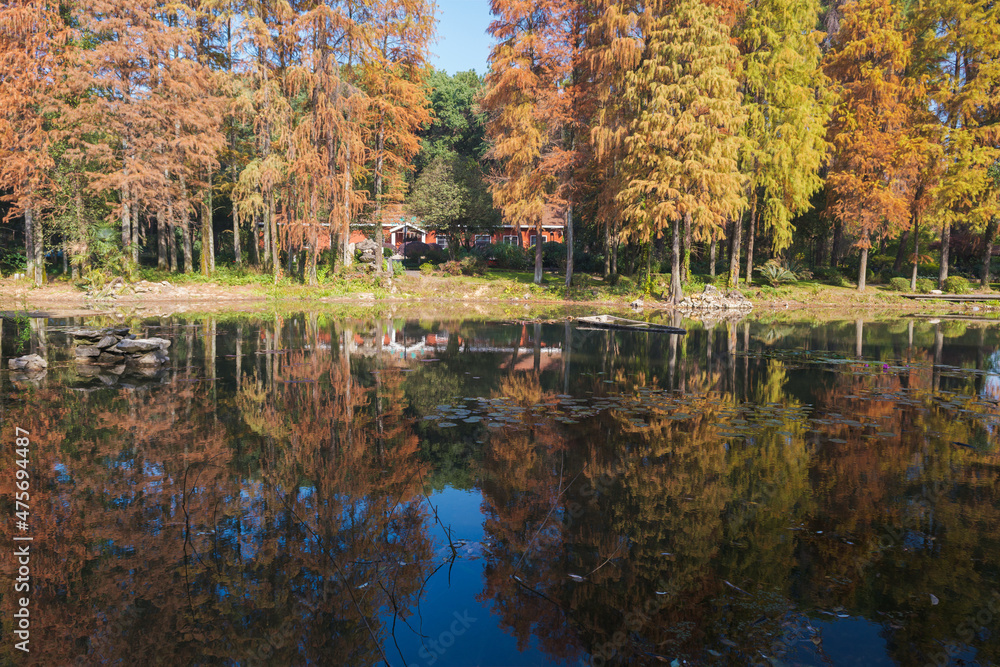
(29, 368)
(712, 299)
(368, 249)
(29, 363)
(116, 350)
(118, 288)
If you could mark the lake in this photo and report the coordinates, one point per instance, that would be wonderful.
(318, 489)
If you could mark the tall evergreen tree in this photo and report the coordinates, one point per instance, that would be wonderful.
(681, 154)
(529, 108)
(961, 56)
(32, 36)
(788, 105)
(874, 146)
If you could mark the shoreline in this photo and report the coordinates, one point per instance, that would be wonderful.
(482, 296)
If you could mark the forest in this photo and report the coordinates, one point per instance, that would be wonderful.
(738, 140)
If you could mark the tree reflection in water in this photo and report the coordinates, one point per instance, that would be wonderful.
(751, 491)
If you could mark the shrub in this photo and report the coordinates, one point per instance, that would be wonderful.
(775, 274)
(427, 267)
(452, 268)
(900, 284)
(471, 265)
(554, 255)
(957, 285)
(799, 269)
(925, 285)
(436, 255)
(587, 262)
(511, 257)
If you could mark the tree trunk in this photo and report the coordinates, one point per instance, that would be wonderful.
(750, 234)
(863, 269)
(39, 246)
(161, 239)
(207, 231)
(569, 245)
(838, 237)
(29, 242)
(345, 241)
(991, 232)
(313, 254)
(272, 223)
(80, 244)
(237, 250)
(897, 264)
(254, 240)
(711, 252)
(945, 251)
(186, 226)
(171, 235)
(607, 249)
(687, 249)
(136, 229)
(379, 238)
(126, 219)
(734, 253)
(676, 293)
(614, 254)
(538, 251)
(916, 253)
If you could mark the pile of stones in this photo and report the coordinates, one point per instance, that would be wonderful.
(368, 249)
(713, 299)
(29, 368)
(116, 349)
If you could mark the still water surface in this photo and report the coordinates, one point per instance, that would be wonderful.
(321, 490)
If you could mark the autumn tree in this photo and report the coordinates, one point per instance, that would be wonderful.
(528, 109)
(32, 36)
(787, 107)
(871, 131)
(611, 54)
(680, 164)
(959, 50)
(396, 39)
(145, 114)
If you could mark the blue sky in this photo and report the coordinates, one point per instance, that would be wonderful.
(462, 40)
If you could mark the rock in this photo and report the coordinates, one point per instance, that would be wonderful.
(712, 299)
(154, 358)
(139, 345)
(92, 334)
(108, 359)
(107, 341)
(936, 291)
(365, 295)
(636, 305)
(88, 370)
(29, 362)
(86, 351)
(87, 334)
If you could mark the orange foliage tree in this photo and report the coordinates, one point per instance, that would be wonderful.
(871, 130)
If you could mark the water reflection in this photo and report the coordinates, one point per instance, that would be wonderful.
(318, 490)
